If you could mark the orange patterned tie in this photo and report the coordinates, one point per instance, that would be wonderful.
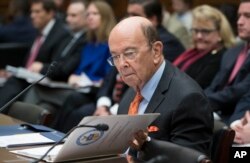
(134, 105)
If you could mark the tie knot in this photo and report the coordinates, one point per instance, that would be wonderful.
(138, 96)
(134, 105)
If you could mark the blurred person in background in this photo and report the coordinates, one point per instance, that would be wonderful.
(100, 20)
(50, 33)
(175, 27)
(17, 27)
(152, 10)
(67, 58)
(211, 35)
(60, 13)
(233, 78)
(183, 12)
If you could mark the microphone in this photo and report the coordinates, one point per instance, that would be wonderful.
(99, 127)
(50, 69)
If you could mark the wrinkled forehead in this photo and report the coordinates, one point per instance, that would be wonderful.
(123, 38)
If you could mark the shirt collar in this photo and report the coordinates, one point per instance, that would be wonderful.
(78, 34)
(149, 88)
(48, 28)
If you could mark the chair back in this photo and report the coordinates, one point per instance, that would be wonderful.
(13, 54)
(221, 144)
(162, 151)
(29, 113)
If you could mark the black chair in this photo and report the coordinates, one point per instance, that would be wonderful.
(166, 152)
(221, 144)
(30, 113)
(13, 54)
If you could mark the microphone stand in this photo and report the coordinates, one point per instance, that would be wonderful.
(100, 127)
(18, 95)
(50, 69)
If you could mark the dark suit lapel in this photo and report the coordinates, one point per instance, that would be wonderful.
(161, 89)
(228, 66)
(126, 100)
(231, 60)
(244, 70)
(48, 41)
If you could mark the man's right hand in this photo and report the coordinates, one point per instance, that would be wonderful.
(102, 111)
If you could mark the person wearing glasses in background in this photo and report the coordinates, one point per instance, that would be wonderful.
(156, 86)
(233, 78)
(212, 35)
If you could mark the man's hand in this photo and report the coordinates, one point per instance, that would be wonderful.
(139, 139)
(4, 74)
(74, 79)
(242, 130)
(36, 67)
(102, 111)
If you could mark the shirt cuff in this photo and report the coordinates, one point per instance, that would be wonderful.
(148, 139)
(103, 101)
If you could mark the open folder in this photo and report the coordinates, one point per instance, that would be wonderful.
(88, 143)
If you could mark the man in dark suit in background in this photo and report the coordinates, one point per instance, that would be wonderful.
(152, 10)
(67, 57)
(51, 33)
(158, 87)
(233, 79)
(69, 49)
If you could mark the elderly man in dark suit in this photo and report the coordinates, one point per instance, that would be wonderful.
(51, 33)
(158, 87)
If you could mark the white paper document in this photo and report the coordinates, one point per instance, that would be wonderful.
(88, 142)
(23, 139)
(82, 86)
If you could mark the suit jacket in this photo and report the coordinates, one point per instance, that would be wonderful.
(20, 30)
(51, 44)
(241, 108)
(172, 47)
(109, 83)
(204, 70)
(67, 64)
(186, 118)
(224, 96)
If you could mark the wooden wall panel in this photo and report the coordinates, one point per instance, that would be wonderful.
(3, 7)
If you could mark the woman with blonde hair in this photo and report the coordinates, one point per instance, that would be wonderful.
(211, 35)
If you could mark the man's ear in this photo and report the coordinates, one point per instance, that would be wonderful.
(157, 50)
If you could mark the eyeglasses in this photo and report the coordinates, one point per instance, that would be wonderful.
(127, 55)
(202, 31)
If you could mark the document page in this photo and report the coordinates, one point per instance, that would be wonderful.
(38, 152)
(87, 142)
(23, 139)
